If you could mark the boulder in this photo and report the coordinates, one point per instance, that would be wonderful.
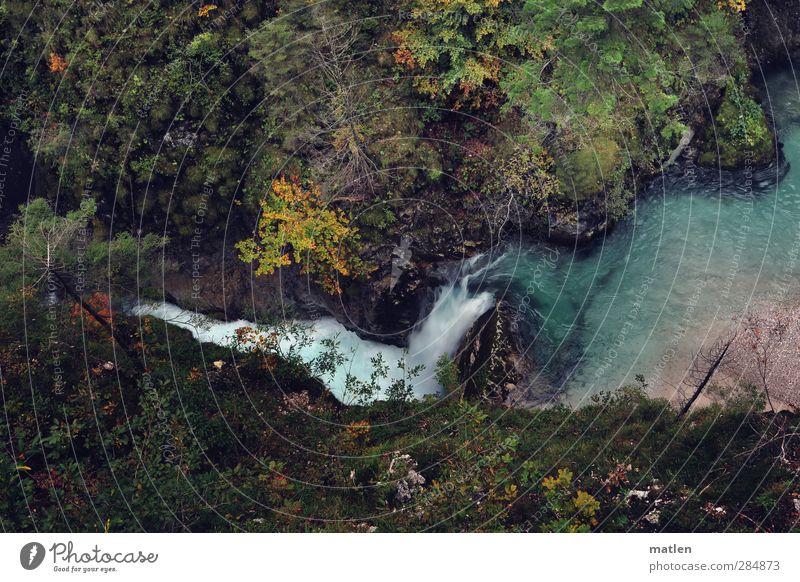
(490, 364)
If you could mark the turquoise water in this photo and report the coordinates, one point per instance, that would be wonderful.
(699, 248)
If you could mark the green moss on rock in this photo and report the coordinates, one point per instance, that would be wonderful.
(584, 173)
(742, 133)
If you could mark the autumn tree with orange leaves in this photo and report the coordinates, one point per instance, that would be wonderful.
(56, 63)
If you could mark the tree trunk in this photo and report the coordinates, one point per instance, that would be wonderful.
(706, 378)
(127, 348)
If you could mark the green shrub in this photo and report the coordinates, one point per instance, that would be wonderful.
(740, 134)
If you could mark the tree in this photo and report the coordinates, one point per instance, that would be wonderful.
(316, 76)
(457, 49)
(760, 356)
(599, 84)
(58, 253)
(765, 353)
(161, 129)
(345, 164)
(704, 365)
(295, 227)
(520, 188)
(733, 5)
(447, 374)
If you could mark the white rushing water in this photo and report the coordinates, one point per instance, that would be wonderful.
(456, 307)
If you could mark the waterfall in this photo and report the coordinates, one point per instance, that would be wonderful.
(455, 308)
(454, 311)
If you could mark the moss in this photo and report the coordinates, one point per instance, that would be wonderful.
(742, 133)
(584, 173)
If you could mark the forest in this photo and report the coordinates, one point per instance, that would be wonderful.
(275, 162)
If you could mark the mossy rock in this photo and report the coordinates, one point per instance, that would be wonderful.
(743, 136)
(584, 173)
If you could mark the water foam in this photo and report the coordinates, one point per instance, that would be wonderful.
(455, 308)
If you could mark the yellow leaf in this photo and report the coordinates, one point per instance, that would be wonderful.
(204, 11)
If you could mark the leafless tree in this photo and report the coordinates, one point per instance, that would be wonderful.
(520, 189)
(766, 340)
(344, 161)
(764, 354)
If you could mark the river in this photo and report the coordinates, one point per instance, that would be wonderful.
(699, 248)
